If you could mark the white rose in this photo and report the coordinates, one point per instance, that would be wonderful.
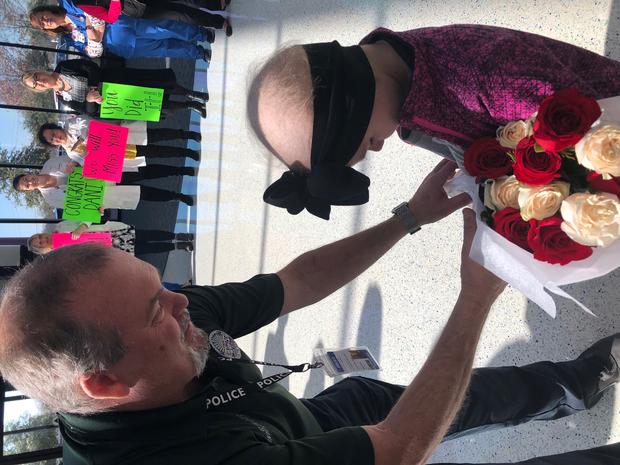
(540, 202)
(591, 219)
(509, 136)
(599, 150)
(504, 192)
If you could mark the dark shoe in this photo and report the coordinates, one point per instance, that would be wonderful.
(193, 154)
(602, 357)
(184, 237)
(199, 96)
(198, 107)
(187, 246)
(187, 199)
(193, 135)
(228, 28)
(209, 35)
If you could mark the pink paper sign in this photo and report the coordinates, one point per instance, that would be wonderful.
(105, 151)
(64, 239)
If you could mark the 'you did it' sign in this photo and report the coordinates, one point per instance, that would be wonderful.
(123, 101)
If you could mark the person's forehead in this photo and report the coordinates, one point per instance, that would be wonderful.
(123, 287)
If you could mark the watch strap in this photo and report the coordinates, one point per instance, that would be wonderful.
(403, 213)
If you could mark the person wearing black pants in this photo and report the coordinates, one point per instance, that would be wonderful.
(164, 151)
(74, 135)
(155, 194)
(496, 398)
(165, 134)
(156, 172)
(159, 241)
(124, 237)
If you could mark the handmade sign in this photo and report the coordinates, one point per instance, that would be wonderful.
(105, 151)
(64, 239)
(83, 198)
(122, 101)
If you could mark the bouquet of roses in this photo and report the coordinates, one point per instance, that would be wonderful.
(550, 186)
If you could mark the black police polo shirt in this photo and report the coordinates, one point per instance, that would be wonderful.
(224, 424)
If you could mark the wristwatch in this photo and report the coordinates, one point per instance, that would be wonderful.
(405, 216)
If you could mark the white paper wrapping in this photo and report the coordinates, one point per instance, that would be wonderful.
(518, 267)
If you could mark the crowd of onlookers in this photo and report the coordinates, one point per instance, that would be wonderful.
(127, 29)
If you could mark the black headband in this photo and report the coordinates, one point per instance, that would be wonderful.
(344, 92)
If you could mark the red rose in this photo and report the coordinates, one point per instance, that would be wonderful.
(563, 119)
(508, 223)
(485, 158)
(550, 244)
(535, 168)
(599, 184)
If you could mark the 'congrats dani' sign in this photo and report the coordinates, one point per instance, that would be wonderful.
(83, 198)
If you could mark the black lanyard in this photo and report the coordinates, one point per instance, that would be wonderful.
(221, 398)
(228, 351)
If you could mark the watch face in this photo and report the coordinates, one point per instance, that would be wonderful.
(398, 209)
(403, 213)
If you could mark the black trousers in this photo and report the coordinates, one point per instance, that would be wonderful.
(187, 11)
(155, 194)
(154, 172)
(163, 151)
(497, 397)
(153, 241)
(162, 134)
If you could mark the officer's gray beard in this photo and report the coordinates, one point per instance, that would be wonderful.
(200, 354)
(199, 351)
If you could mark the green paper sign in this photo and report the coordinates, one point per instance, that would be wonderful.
(122, 101)
(83, 198)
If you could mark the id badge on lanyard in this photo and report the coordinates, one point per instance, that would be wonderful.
(339, 362)
(228, 351)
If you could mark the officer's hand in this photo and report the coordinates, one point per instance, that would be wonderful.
(430, 203)
(477, 283)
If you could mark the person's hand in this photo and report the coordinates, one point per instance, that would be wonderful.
(477, 283)
(430, 203)
(102, 210)
(76, 233)
(69, 167)
(94, 96)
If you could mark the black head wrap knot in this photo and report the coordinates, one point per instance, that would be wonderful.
(317, 190)
(344, 92)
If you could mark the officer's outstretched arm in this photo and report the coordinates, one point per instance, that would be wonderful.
(316, 274)
(424, 412)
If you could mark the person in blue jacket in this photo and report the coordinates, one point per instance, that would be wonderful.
(127, 37)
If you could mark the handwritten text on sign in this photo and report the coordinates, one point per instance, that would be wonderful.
(105, 151)
(63, 239)
(122, 101)
(83, 198)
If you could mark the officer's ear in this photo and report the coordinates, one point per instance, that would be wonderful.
(103, 385)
